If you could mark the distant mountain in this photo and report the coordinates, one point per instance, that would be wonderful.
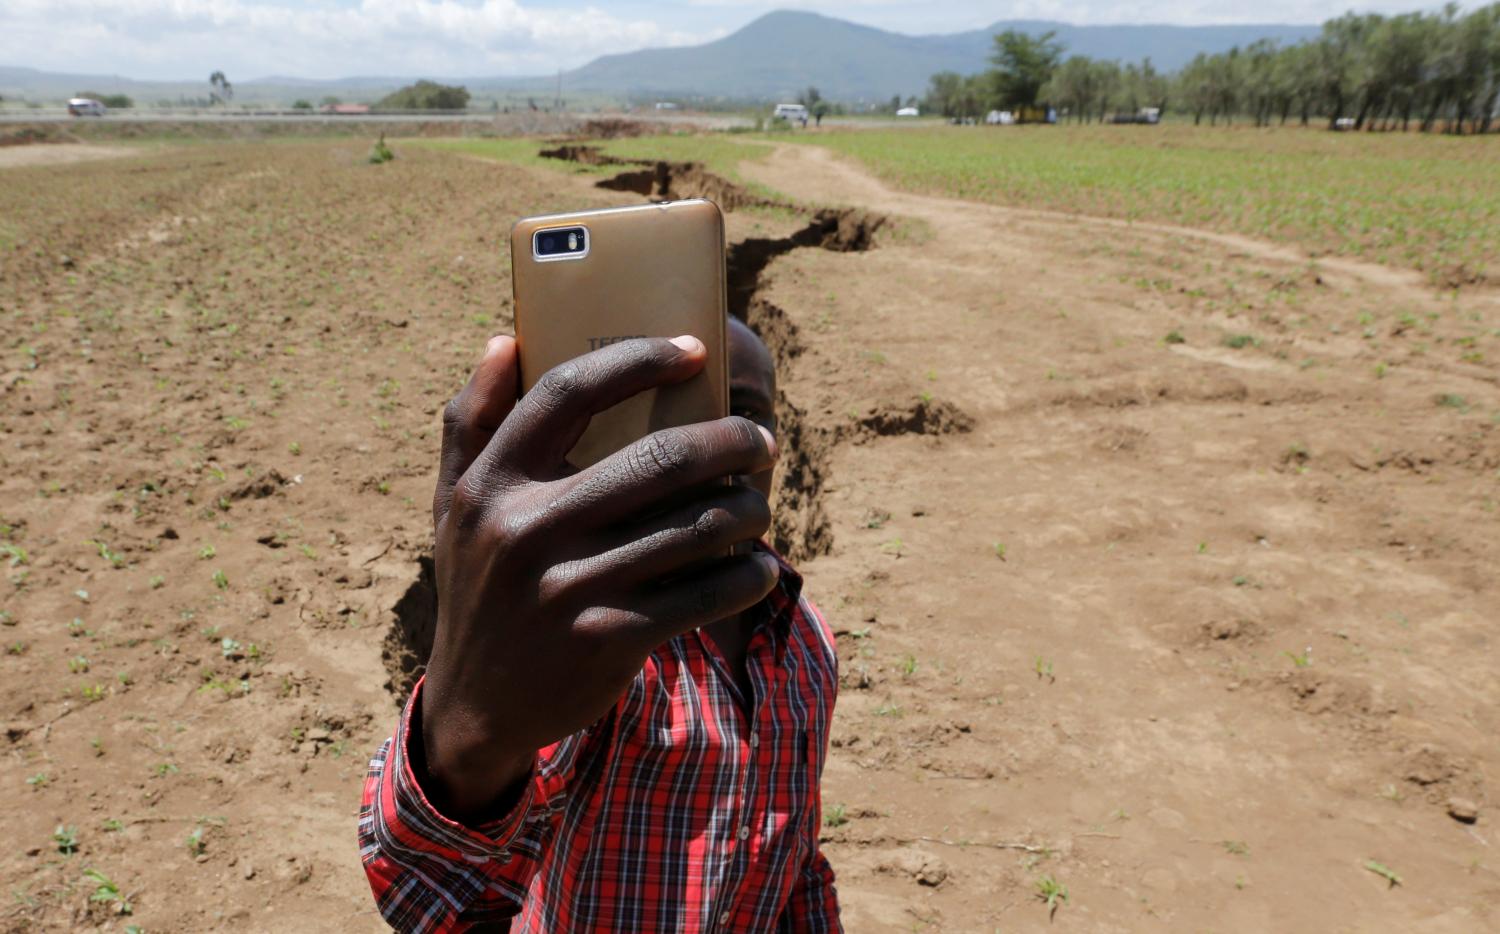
(29, 82)
(775, 56)
(783, 52)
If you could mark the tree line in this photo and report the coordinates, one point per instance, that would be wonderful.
(1363, 72)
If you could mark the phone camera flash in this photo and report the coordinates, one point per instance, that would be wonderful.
(572, 241)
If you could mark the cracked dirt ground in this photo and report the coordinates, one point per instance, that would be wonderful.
(1195, 630)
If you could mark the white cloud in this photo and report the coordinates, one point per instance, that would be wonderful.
(182, 38)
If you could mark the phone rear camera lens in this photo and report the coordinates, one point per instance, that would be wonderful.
(566, 241)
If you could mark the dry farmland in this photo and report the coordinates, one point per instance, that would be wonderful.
(1160, 550)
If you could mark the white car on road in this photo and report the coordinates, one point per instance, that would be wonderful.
(792, 113)
(85, 107)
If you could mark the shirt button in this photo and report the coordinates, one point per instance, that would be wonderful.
(724, 918)
(754, 740)
(744, 831)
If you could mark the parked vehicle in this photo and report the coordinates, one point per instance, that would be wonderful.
(1021, 115)
(85, 107)
(908, 112)
(790, 112)
(1148, 115)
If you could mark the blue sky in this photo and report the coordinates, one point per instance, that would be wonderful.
(334, 38)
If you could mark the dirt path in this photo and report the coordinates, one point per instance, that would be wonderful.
(1195, 630)
(814, 173)
(59, 154)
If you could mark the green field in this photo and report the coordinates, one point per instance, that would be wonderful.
(1425, 202)
(519, 149)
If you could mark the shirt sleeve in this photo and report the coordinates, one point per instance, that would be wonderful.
(430, 873)
(813, 905)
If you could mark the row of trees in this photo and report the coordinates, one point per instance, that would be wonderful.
(1380, 72)
(1088, 88)
(1029, 71)
(1364, 71)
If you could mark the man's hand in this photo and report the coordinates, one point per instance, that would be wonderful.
(554, 585)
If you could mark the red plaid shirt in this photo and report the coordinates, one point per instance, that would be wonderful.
(675, 812)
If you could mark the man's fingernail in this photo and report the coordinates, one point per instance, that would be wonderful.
(771, 564)
(494, 345)
(688, 342)
(770, 440)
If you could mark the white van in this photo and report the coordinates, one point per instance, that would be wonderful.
(85, 107)
(790, 112)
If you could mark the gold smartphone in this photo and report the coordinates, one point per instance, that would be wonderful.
(586, 280)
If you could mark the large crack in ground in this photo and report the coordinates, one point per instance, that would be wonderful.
(801, 529)
(660, 180)
(408, 642)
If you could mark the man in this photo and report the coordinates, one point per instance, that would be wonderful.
(622, 726)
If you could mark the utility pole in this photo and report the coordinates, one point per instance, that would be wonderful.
(557, 107)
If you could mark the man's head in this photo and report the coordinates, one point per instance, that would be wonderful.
(752, 390)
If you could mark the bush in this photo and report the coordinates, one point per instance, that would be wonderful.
(302, 105)
(380, 152)
(426, 95)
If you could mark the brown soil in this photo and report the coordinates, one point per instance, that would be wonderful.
(61, 152)
(519, 123)
(1069, 633)
(674, 181)
(1195, 631)
(28, 135)
(586, 155)
(618, 128)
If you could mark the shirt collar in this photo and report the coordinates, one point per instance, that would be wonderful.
(782, 601)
